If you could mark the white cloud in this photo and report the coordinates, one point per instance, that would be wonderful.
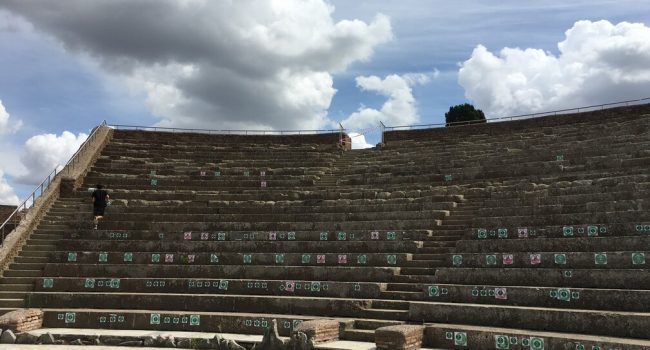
(6, 125)
(42, 153)
(7, 194)
(599, 62)
(359, 141)
(217, 64)
(399, 109)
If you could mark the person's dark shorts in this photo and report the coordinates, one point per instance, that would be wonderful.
(98, 210)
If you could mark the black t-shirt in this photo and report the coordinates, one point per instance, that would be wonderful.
(100, 198)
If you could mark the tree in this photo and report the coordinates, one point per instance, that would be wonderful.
(464, 113)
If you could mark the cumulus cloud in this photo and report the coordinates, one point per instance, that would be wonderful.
(598, 62)
(359, 141)
(217, 64)
(42, 153)
(6, 125)
(7, 194)
(400, 107)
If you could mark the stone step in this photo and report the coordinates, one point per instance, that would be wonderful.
(338, 235)
(404, 287)
(12, 303)
(26, 266)
(605, 323)
(16, 287)
(263, 208)
(117, 218)
(29, 259)
(289, 273)
(579, 244)
(143, 260)
(23, 273)
(545, 277)
(315, 306)
(303, 247)
(369, 225)
(332, 289)
(360, 335)
(564, 260)
(449, 336)
(6, 280)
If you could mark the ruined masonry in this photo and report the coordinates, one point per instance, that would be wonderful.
(530, 234)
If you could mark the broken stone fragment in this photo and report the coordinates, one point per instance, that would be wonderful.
(7, 337)
(46, 338)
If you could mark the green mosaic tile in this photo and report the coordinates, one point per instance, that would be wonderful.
(600, 258)
(491, 259)
(638, 258)
(560, 259)
(154, 319)
(592, 231)
(457, 260)
(536, 343)
(434, 291)
(460, 338)
(195, 320)
(567, 231)
(501, 342)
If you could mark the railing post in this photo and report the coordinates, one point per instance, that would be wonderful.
(383, 129)
(341, 135)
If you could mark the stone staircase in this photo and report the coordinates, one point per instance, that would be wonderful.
(529, 234)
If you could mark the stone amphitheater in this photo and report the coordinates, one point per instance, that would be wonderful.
(528, 234)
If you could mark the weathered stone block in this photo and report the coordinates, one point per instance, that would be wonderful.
(22, 320)
(400, 337)
(319, 331)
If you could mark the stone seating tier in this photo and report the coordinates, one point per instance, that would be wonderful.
(372, 238)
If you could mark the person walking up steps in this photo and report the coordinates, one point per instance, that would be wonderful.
(100, 200)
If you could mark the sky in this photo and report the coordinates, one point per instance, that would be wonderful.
(65, 66)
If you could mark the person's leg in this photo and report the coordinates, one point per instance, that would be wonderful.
(98, 214)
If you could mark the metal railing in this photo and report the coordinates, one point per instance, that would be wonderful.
(524, 116)
(223, 132)
(14, 219)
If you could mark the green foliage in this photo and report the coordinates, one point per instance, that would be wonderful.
(464, 114)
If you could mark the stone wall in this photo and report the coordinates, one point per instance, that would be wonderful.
(517, 125)
(330, 138)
